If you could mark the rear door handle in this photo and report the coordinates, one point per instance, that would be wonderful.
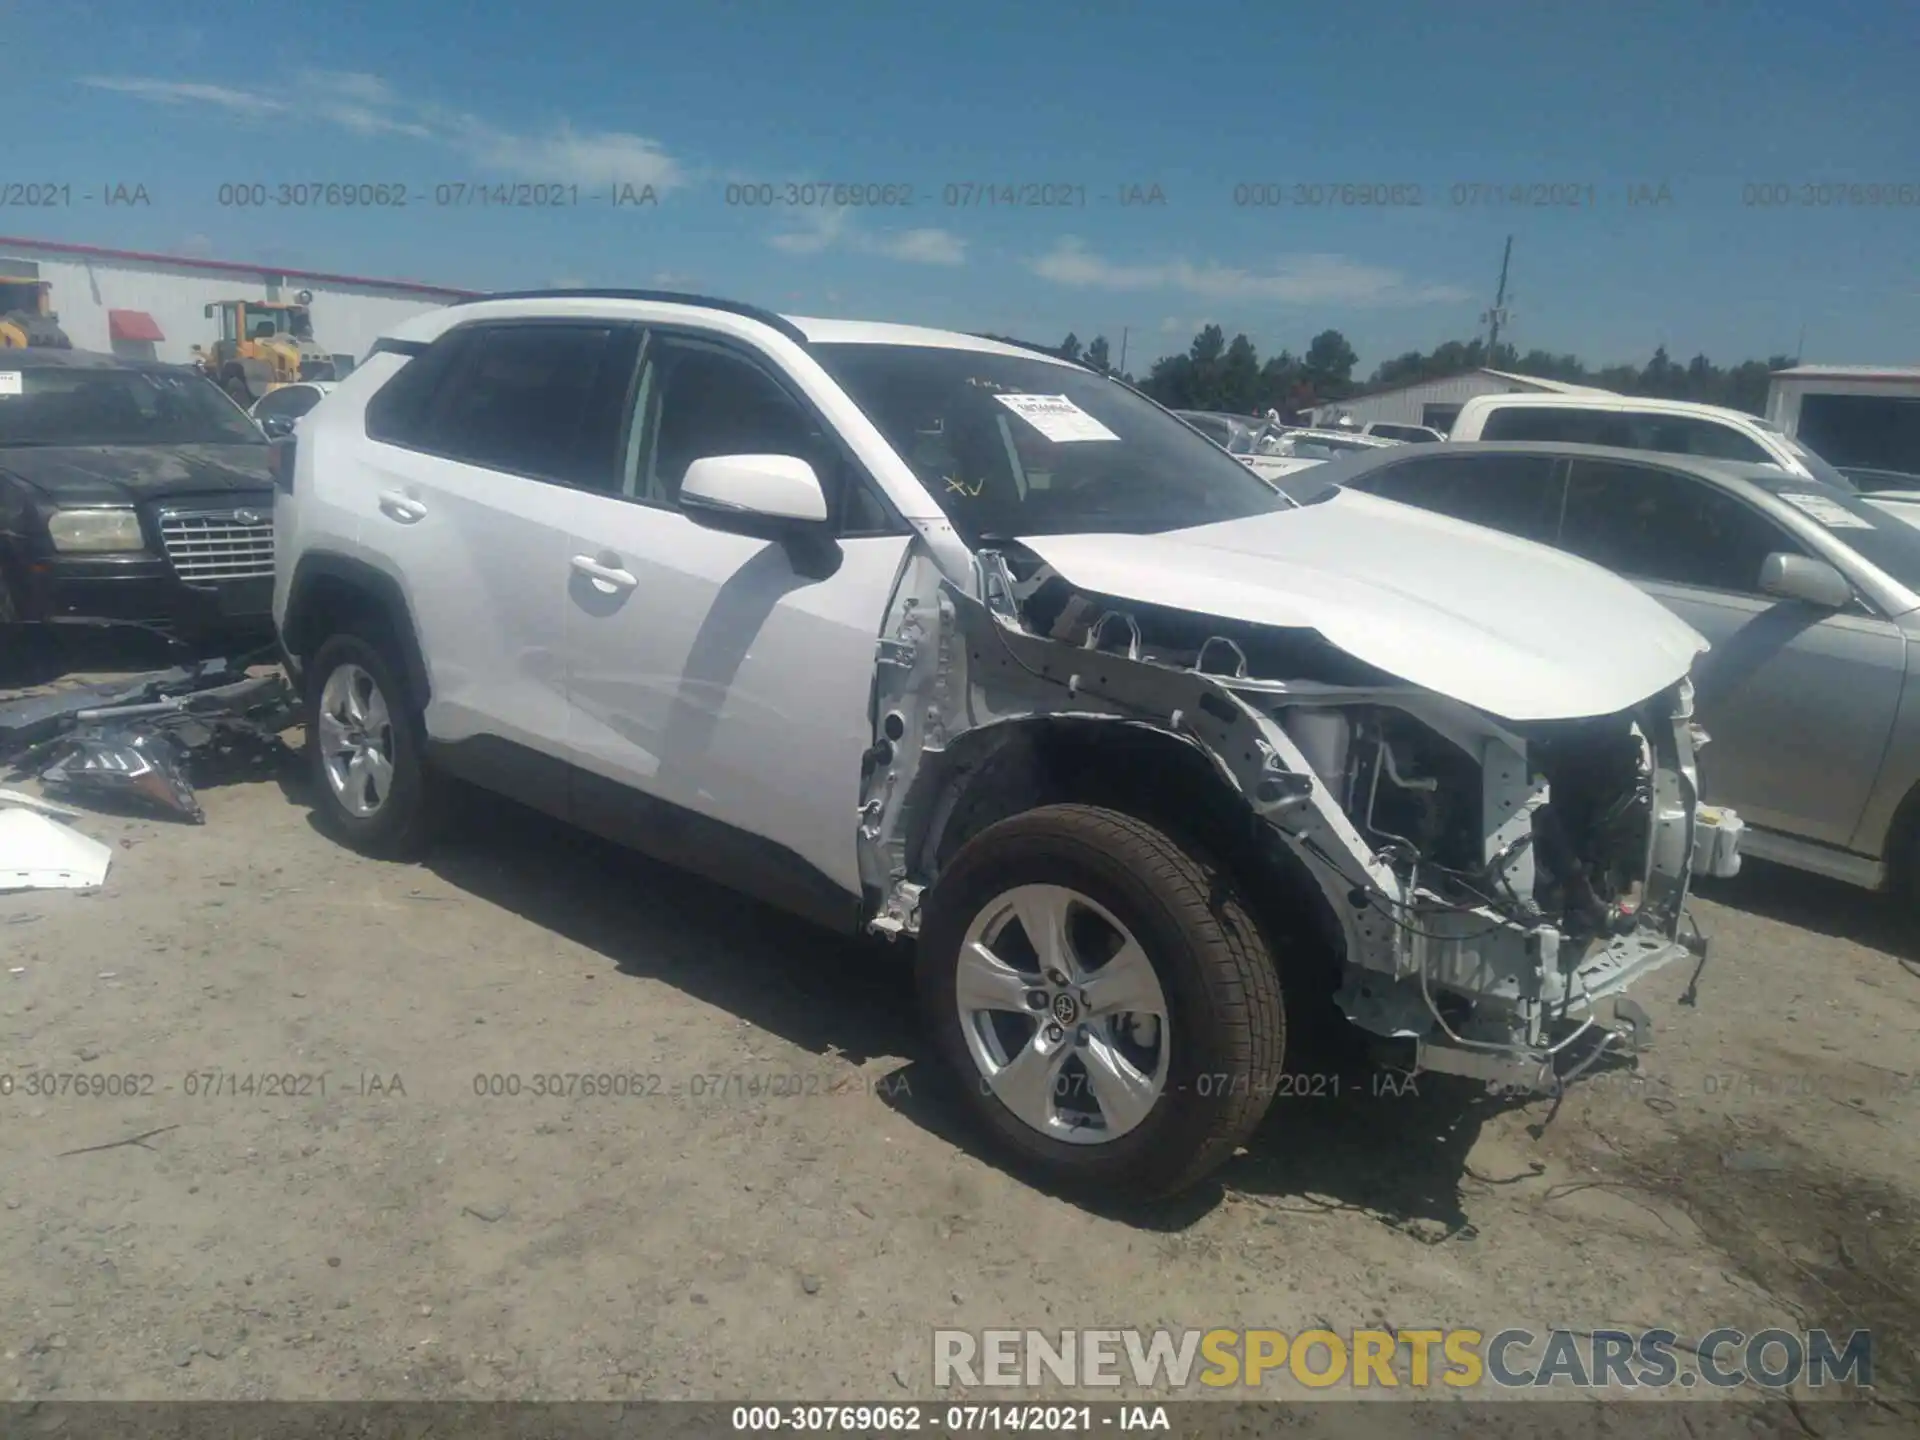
(608, 579)
(401, 507)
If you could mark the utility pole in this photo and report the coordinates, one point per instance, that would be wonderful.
(1123, 349)
(1497, 316)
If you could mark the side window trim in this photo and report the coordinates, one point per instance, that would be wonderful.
(468, 336)
(854, 471)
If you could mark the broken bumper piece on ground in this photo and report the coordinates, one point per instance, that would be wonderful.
(134, 743)
(38, 853)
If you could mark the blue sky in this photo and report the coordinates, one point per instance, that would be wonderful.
(1197, 98)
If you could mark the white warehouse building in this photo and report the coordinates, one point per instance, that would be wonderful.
(1435, 403)
(148, 306)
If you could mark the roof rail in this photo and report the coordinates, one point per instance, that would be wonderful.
(706, 302)
(1031, 345)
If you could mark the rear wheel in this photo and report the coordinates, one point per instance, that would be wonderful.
(236, 386)
(1104, 997)
(371, 786)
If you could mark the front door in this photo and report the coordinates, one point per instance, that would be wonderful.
(719, 686)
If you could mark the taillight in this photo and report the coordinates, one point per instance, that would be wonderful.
(283, 465)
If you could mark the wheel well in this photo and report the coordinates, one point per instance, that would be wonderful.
(1902, 848)
(331, 594)
(1156, 777)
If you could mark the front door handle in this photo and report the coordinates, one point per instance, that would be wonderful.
(608, 579)
(401, 507)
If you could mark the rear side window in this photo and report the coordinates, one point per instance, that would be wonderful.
(1519, 494)
(521, 399)
(397, 412)
(1625, 429)
(1653, 524)
(544, 400)
(1540, 422)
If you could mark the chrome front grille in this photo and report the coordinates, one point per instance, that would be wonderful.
(206, 546)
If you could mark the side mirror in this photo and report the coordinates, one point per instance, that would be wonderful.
(278, 427)
(1801, 577)
(769, 496)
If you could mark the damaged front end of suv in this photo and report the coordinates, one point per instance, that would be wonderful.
(1491, 887)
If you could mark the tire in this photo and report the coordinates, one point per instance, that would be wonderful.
(1224, 1031)
(401, 822)
(236, 386)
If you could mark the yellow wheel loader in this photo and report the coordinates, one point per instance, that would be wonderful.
(27, 318)
(263, 344)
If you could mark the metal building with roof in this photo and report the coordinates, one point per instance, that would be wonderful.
(152, 306)
(1435, 403)
(1853, 415)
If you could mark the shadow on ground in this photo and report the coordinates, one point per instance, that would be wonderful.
(1826, 907)
(1339, 1135)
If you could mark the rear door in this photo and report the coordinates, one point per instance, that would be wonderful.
(1799, 700)
(470, 503)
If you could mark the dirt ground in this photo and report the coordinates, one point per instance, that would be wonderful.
(798, 1228)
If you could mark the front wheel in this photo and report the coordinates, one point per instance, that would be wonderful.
(1104, 997)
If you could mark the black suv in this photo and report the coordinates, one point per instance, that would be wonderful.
(130, 492)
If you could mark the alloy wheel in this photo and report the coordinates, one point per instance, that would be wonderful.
(1063, 1014)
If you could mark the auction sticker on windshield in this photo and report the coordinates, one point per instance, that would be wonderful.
(1056, 417)
(9, 382)
(1828, 513)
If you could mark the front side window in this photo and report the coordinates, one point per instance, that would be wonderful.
(1519, 494)
(1654, 524)
(1625, 430)
(83, 406)
(1011, 445)
(695, 399)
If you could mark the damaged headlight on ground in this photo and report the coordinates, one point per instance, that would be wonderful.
(134, 742)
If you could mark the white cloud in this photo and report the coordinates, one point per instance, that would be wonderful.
(1292, 279)
(368, 106)
(172, 92)
(922, 247)
(827, 229)
(584, 158)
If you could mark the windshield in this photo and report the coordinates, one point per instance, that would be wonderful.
(1879, 538)
(71, 406)
(1011, 446)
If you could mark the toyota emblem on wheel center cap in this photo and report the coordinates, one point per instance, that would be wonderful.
(1065, 1009)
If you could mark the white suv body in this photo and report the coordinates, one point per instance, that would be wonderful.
(932, 636)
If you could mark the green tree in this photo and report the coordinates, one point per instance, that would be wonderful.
(1069, 348)
(1329, 364)
(1239, 387)
(1097, 355)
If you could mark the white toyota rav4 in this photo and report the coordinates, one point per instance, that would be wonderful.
(928, 635)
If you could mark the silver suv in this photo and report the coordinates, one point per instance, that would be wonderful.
(929, 635)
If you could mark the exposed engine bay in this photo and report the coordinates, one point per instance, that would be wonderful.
(1495, 885)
